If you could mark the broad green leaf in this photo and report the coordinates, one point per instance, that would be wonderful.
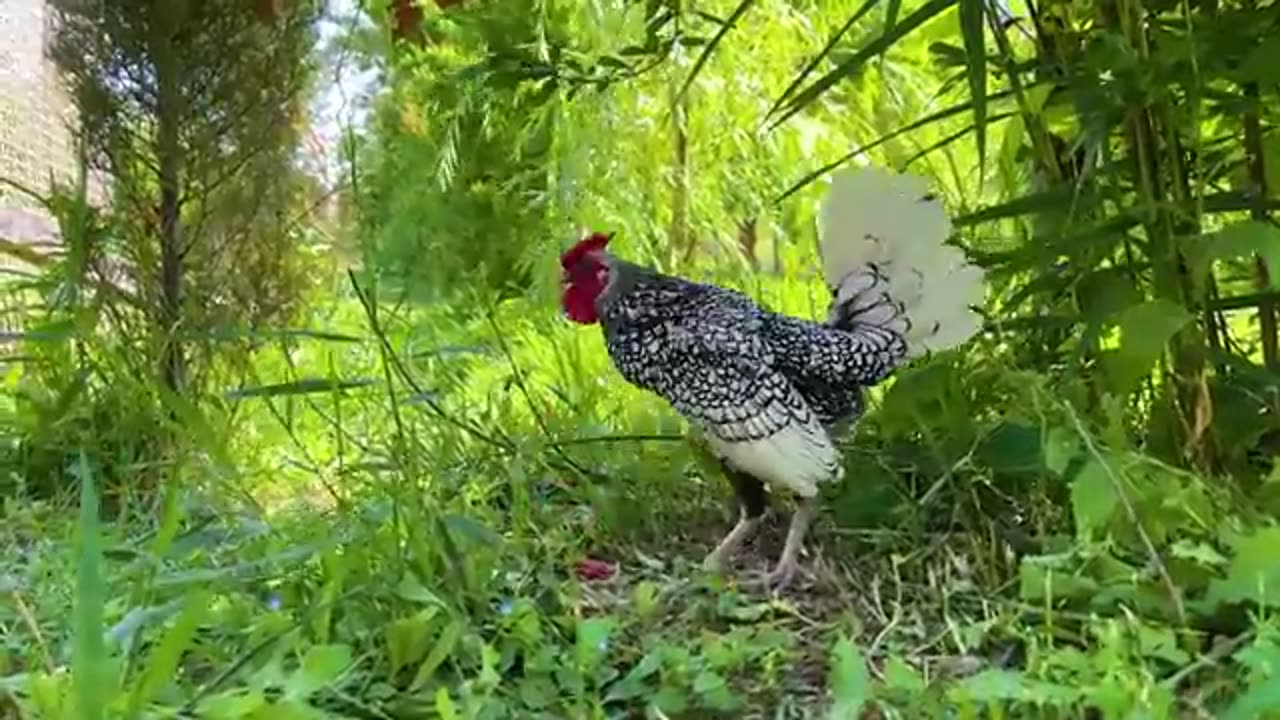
(1145, 330)
(321, 667)
(592, 640)
(850, 681)
(1262, 699)
(899, 675)
(715, 691)
(971, 28)
(1260, 65)
(1060, 447)
(645, 598)
(409, 588)
(1198, 552)
(670, 699)
(1093, 499)
(1246, 238)
(537, 692)
(472, 530)
(994, 685)
(1012, 447)
(633, 683)
(407, 638)
(1052, 577)
(1254, 572)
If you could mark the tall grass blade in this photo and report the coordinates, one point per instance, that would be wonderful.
(971, 28)
(305, 386)
(929, 119)
(883, 42)
(710, 47)
(813, 63)
(89, 653)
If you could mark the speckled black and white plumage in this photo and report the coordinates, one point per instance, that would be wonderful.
(742, 373)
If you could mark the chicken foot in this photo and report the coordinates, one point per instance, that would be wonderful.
(784, 572)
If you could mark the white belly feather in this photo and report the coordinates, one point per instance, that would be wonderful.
(795, 458)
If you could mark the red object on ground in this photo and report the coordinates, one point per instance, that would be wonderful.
(595, 570)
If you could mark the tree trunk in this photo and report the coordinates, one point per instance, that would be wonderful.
(170, 161)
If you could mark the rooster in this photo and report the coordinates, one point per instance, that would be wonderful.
(770, 391)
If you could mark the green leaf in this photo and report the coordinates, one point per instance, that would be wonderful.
(1093, 499)
(632, 684)
(1197, 552)
(1244, 239)
(1012, 447)
(1053, 577)
(537, 693)
(407, 638)
(990, 686)
(409, 588)
(1145, 330)
(1060, 447)
(850, 681)
(645, 598)
(1260, 65)
(440, 652)
(899, 675)
(321, 667)
(162, 662)
(444, 705)
(298, 387)
(593, 639)
(710, 47)
(714, 691)
(883, 42)
(971, 28)
(1261, 659)
(1254, 573)
(234, 704)
(472, 530)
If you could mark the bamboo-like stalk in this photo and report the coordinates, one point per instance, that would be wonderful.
(1256, 160)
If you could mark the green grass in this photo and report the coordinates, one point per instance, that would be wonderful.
(337, 545)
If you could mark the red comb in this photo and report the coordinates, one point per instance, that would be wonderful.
(591, 243)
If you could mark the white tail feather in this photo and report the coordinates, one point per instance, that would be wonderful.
(883, 253)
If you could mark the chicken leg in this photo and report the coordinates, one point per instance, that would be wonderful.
(784, 572)
(752, 503)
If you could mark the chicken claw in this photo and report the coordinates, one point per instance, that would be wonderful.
(782, 575)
